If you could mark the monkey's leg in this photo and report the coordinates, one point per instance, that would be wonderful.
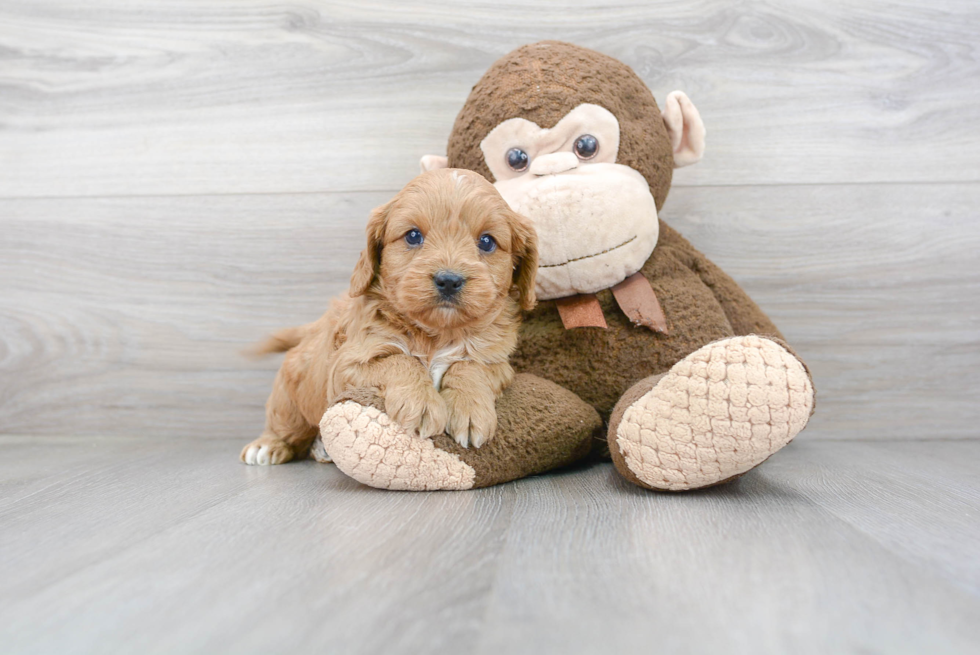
(720, 411)
(540, 426)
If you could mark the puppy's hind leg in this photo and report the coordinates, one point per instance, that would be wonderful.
(270, 448)
(287, 435)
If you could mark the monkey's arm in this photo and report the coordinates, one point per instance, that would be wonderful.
(540, 426)
(742, 312)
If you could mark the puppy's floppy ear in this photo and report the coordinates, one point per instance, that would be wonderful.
(368, 265)
(524, 249)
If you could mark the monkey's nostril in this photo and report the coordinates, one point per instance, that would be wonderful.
(448, 283)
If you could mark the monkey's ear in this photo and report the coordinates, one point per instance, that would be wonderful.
(369, 264)
(524, 249)
(433, 162)
(685, 129)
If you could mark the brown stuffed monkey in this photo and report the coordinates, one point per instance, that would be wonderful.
(640, 348)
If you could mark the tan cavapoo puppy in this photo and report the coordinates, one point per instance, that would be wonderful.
(430, 320)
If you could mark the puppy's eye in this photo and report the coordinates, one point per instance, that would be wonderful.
(486, 243)
(517, 159)
(414, 238)
(586, 146)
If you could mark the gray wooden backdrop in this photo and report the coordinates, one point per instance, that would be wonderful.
(179, 178)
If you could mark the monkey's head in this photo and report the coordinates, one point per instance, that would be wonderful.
(574, 140)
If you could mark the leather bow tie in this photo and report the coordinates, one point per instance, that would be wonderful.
(635, 297)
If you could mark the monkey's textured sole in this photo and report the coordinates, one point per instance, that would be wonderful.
(717, 413)
(368, 446)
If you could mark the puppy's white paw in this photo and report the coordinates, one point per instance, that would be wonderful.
(472, 419)
(265, 451)
(417, 409)
(251, 455)
(319, 453)
(433, 419)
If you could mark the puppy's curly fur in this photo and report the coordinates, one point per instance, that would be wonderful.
(438, 356)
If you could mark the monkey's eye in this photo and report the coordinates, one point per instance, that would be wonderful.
(414, 238)
(586, 146)
(517, 159)
(486, 243)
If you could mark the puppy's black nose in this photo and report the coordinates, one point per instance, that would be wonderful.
(448, 283)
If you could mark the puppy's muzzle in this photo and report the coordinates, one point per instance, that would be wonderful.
(448, 284)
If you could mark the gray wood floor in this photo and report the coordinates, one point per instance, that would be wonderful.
(173, 546)
(178, 178)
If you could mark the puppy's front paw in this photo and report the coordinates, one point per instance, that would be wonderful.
(417, 408)
(267, 450)
(472, 417)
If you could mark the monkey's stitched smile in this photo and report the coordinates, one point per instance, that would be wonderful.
(578, 259)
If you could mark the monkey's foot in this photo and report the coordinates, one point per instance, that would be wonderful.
(368, 446)
(540, 426)
(722, 410)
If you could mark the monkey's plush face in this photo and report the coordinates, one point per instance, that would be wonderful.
(596, 219)
(574, 140)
